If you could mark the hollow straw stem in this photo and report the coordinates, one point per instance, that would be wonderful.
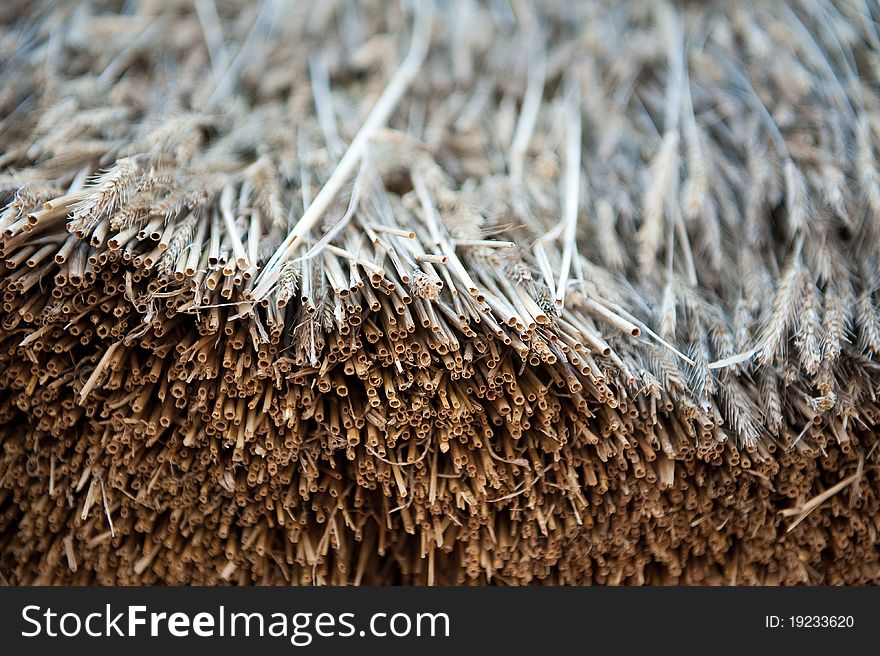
(389, 230)
(369, 266)
(529, 114)
(226, 198)
(378, 117)
(572, 185)
(802, 511)
(483, 243)
(544, 265)
(320, 78)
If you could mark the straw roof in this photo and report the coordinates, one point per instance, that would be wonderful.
(337, 292)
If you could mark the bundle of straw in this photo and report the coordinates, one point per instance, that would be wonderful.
(359, 292)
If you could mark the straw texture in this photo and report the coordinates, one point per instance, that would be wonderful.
(376, 293)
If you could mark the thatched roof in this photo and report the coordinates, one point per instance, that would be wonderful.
(342, 292)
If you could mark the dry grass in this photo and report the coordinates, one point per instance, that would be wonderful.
(336, 293)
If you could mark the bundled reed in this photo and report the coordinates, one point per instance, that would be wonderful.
(368, 293)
